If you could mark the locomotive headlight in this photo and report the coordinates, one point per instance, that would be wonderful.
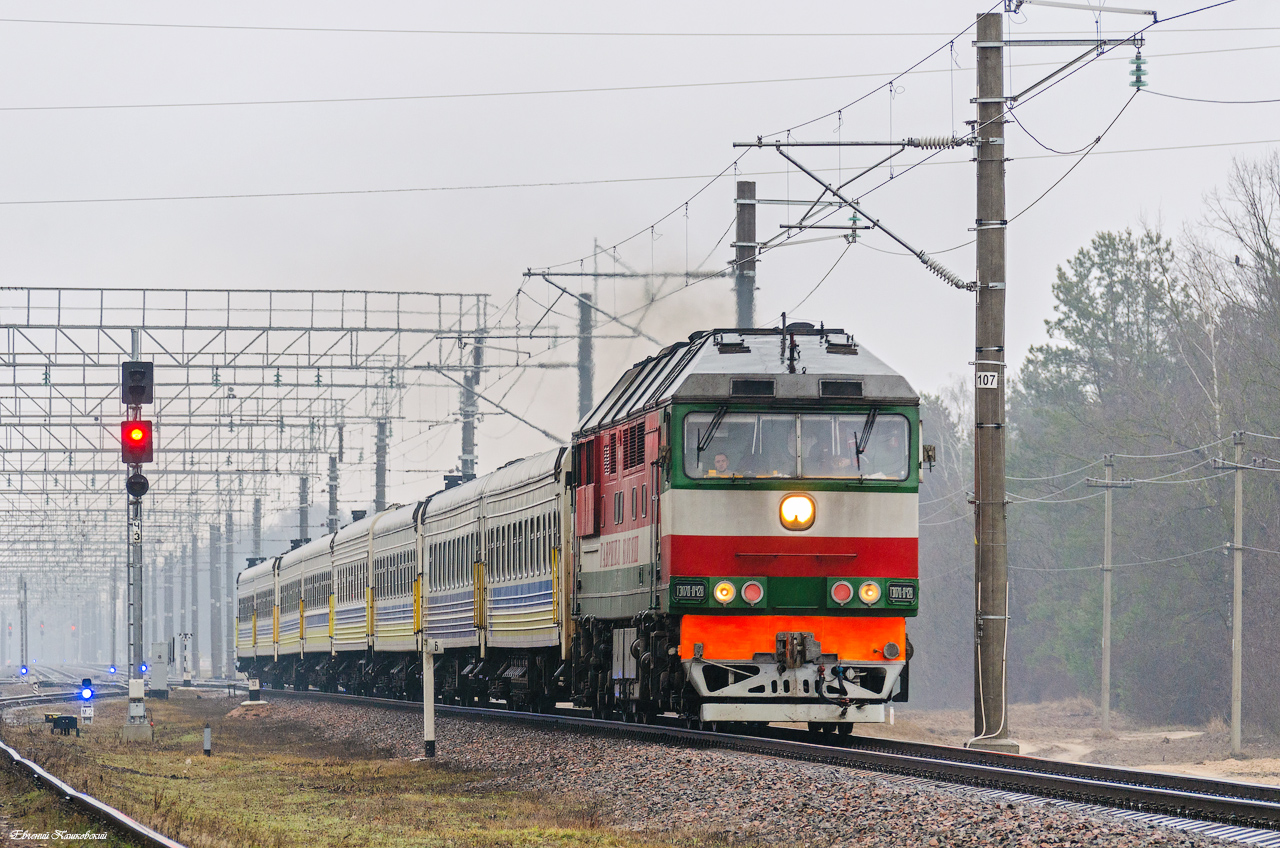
(724, 592)
(869, 592)
(797, 511)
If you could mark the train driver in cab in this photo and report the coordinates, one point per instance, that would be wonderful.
(721, 467)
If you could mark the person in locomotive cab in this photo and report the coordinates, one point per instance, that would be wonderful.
(721, 467)
(886, 455)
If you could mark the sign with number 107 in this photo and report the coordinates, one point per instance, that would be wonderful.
(988, 379)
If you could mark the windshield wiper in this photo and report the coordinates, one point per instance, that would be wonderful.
(867, 427)
(704, 439)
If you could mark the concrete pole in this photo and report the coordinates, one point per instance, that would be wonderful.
(137, 653)
(990, 713)
(183, 582)
(379, 467)
(166, 633)
(215, 602)
(470, 408)
(257, 527)
(229, 593)
(1237, 598)
(1106, 600)
(195, 608)
(24, 657)
(115, 618)
(744, 278)
(428, 691)
(304, 500)
(333, 495)
(586, 361)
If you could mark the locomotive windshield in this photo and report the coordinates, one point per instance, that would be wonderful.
(767, 444)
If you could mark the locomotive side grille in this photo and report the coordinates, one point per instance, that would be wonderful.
(633, 446)
(611, 455)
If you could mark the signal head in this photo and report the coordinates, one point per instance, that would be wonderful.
(143, 668)
(112, 669)
(137, 485)
(137, 383)
(86, 693)
(24, 670)
(136, 443)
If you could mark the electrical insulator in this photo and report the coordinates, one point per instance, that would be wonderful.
(937, 142)
(1138, 72)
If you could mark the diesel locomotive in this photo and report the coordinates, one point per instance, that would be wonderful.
(731, 537)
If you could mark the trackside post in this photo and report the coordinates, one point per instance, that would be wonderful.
(430, 649)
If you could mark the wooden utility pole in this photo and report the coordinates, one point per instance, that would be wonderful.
(1108, 484)
(990, 713)
(745, 260)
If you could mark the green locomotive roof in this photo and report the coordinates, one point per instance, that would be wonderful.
(805, 364)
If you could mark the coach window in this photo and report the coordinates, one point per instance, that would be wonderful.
(542, 543)
(522, 548)
(530, 548)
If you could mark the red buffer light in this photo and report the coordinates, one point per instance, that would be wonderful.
(136, 442)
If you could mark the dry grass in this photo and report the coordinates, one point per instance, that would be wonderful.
(27, 806)
(277, 785)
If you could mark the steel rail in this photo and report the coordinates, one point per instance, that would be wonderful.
(1182, 796)
(96, 809)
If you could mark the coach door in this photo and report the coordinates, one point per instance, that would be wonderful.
(479, 583)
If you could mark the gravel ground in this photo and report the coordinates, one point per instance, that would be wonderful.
(732, 797)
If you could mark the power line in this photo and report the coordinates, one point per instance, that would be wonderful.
(561, 91)
(824, 278)
(1217, 548)
(1204, 100)
(1054, 476)
(1075, 164)
(551, 33)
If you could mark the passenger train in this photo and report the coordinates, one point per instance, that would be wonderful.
(732, 537)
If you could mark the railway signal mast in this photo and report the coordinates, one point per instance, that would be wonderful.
(137, 387)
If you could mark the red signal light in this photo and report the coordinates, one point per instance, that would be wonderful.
(136, 442)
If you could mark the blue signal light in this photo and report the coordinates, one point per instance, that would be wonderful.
(86, 693)
(24, 669)
(112, 669)
(143, 668)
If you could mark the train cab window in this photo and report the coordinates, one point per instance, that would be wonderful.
(871, 447)
(740, 444)
(755, 445)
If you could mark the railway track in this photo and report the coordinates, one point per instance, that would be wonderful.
(95, 809)
(1229, 810)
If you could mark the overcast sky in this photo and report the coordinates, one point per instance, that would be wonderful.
(538, 128)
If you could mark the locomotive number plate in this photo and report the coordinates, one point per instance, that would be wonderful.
(902, 593)
(689, 591)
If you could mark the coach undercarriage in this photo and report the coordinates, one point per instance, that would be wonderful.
(634, 672)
